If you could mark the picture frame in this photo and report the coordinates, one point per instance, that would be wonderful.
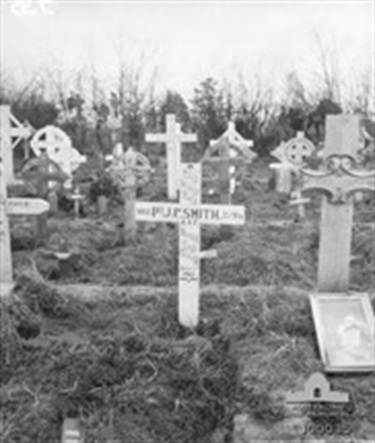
(344, 325)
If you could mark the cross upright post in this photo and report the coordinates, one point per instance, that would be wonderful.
(11, 128)
(190, 214)
(173, 138)
(339, 181)
(10, 206)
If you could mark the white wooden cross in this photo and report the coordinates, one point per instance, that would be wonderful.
(339, 181)
(189, 214)
(129, 170)
(224, 151)
(173, 138)
(9, 206)
(292, 156)
(11, 129)
(59, 149)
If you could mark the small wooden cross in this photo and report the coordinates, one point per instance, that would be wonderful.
(40, 172)
(59, 149)
(189, 214)
(11, 129)
(339, 181)
(173, 139)
(225, 152)
(77, 197)
(9, 206)
(292, 157)
(129, 170)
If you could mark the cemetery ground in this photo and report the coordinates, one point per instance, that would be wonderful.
(98, 337)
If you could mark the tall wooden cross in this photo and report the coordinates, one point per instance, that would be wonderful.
(129, 170)
(173, 139)
(190, 215)
(225, 152)
(339, 181)
(9, 206)
(12, 131)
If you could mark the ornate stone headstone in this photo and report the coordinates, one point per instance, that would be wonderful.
(228, 155)
(190, 214)
(129, 170)
(339, 180)
(59, 149)
(173, 139)
(12, 132)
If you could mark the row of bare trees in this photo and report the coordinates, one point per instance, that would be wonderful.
(86, 104)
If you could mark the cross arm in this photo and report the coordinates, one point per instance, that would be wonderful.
(338, 186)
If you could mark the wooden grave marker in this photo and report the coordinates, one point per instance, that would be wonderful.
(12, 132)
(129, 170)
(190, 215)
(173, 138)
(226, 153)
(339, 180)
(41, 172)
(59, 149)
(9, 206)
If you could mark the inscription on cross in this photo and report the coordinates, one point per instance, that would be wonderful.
(338, 181)
(190, 214)
(228, 155)
(129, 170)
(173, 138)
(9, 206)
(12, 132)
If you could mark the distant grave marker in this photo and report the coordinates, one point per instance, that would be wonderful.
(9, 206)
(12, 132)
(190, 214)
(292, 156)
(173, 139)
(41, 172)
(129, 170)
(59, 148)
(228, 154)
(77, 198)
(339, 180)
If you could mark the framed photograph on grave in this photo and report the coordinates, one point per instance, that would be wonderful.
(344, 327)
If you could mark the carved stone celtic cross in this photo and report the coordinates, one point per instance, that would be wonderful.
(339, 180)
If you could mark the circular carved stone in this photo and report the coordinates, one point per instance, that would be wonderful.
(298, 149)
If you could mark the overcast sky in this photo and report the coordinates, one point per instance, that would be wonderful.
(188, 41)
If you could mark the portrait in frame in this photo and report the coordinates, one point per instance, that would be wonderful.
(344, 325)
